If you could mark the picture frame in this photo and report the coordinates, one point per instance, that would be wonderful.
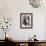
(26, 20)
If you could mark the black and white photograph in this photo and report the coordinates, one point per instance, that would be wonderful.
(26, 20)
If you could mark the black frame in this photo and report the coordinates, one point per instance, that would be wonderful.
(30, 18)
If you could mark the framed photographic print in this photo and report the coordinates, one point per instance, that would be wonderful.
(26, 20)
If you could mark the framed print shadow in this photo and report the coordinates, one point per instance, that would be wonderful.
(26, 20)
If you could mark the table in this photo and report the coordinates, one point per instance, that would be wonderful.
(26, 42)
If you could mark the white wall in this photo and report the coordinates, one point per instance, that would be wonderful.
(13, 8)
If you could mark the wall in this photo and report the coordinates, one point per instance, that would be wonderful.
(13, 8)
